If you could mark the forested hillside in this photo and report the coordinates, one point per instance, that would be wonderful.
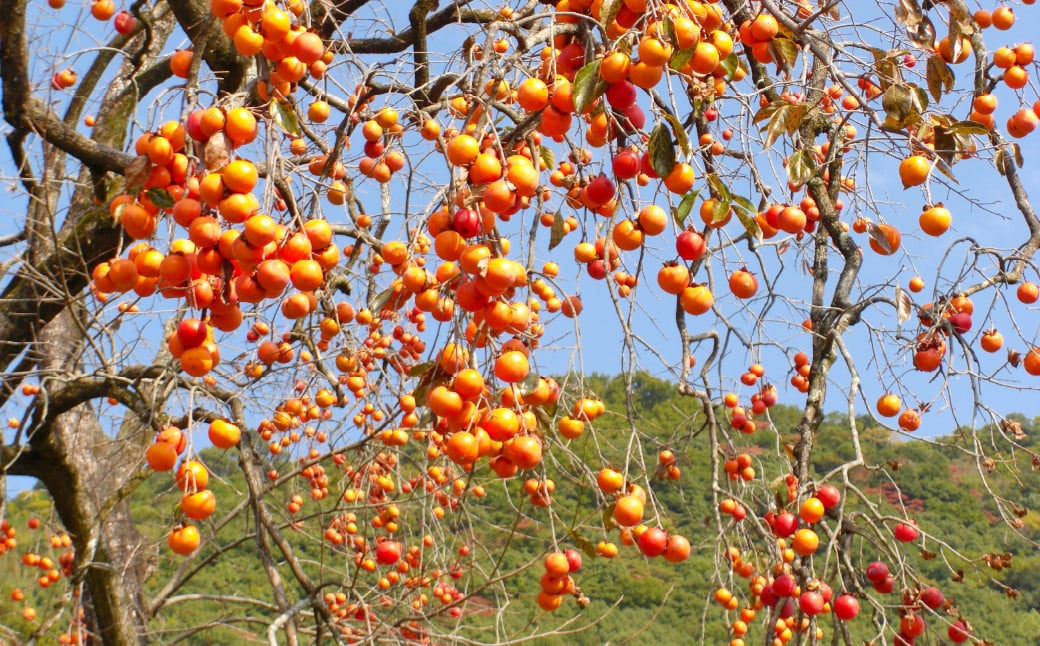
(629, 596)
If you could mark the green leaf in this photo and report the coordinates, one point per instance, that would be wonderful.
(720, 210)
(662, 152)
(681, 212)
(420, 392)
(584, 544)
(718, 187)
(731, 63)
(547, 156)
(543, 418)
(588, 86)
(939, 76)
(680, 133)
(608, 517)
(557, 232)
(747, 218)
(680, 58)
(160, 197)
(420, 369)
(801, 166)
(285, 118)
(741, 203)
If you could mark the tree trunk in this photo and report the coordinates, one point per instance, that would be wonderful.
(82, 468)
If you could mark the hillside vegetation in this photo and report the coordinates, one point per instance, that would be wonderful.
(631, 598)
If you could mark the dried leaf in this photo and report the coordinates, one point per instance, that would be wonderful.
(776, 125)
(944, 167)
(939, 76)
(785, 51)
(999, 160)
(609, 11)
(547, 156)
(137, 171)
(795, 117)
(922, 34)
(878, 236)
(217, 152)
(801, 166)
(1015, 429)
(557, 232)
(945, 144)
(963, 18)
(768, 110)
(902, 305)
(908, 12)
(956, 44)
(1014, 358)
(901, 107)
(887, 67)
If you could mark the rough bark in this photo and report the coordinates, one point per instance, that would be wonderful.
(82, 468)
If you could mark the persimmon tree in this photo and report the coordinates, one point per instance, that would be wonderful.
(344, 241)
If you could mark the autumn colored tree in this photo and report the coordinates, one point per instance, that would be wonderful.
(361, 248)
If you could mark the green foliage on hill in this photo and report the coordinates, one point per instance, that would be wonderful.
(631, 597)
